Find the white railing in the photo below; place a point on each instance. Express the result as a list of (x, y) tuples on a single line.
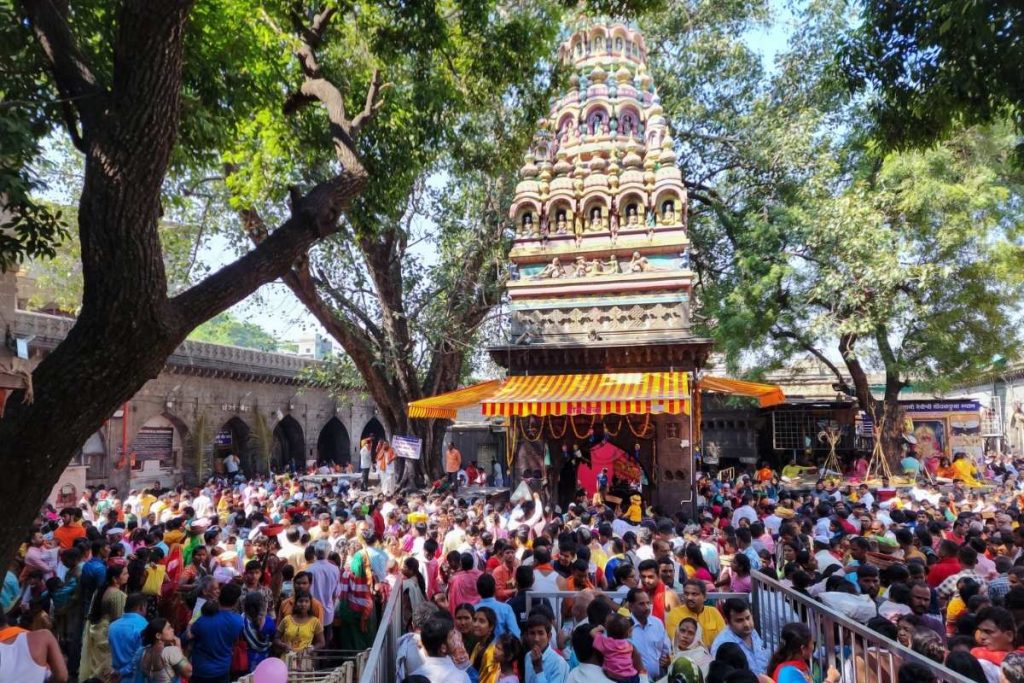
[(381, 664), (859, 653)]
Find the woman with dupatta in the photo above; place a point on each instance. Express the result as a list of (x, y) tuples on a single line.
[(355, 613), (107, 605), (690, 659)]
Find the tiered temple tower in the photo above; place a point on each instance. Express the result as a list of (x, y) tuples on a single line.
[(601, 254), (601, 279)]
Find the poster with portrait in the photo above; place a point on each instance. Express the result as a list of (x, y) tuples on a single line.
[(945, 427), (932, 437)]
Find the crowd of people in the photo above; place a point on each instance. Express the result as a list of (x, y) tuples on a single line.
[(203, 584)]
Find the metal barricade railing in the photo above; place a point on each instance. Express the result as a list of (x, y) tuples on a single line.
[(556, 598), (859, 653), (381, 664)]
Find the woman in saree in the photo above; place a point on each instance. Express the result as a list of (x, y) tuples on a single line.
[(483, 660), (107, 605), (355, 613)]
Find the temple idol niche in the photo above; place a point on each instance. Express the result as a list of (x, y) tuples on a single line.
[(527, 226), (668, 212), (561, 222), (597, 122), (627, 124), (632, 215)]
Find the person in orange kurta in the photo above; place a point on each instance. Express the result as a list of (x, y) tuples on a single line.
[(71, 528), (505, 574), (452, 465)]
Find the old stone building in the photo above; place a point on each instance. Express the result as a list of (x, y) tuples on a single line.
[(209, 401)]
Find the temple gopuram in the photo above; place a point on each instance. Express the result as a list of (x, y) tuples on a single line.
[(601, 360)]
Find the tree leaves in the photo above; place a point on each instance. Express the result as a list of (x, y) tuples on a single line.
[(932, 66)]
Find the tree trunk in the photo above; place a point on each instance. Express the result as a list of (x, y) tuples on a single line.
[(892, 423), (127, 326), (886, 414)]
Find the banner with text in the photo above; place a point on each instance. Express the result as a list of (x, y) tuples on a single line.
[(407, 447)]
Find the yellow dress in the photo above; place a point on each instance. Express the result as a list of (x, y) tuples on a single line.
[(298, 636), (489, 669), (96, 656), (965, 472), (634, 513), (223, 510)]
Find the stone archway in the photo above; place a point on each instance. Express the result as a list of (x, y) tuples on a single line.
[(233, 437), (373, 430), (333, 446), (93, 454), (289, 444)]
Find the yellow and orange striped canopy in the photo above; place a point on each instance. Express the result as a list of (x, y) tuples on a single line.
[(620, 393), (767, 395), (445, 406)]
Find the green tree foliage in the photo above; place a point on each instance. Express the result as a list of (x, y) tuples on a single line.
[(932, 66), (407, 285), (30, 227), (920, 253), (225, 328), (810, 240)]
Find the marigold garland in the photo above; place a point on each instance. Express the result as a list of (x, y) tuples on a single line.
[(572, 421), (551, 427), (540, 431), (609, 432), (643, 432)]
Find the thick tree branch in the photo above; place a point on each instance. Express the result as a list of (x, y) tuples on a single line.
[(316, 216), (385, 270), (885, 350), (363, 350), (71, 70), (862, 388), (71, 124)]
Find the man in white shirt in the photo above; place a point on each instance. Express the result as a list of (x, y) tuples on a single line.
[(202, 504), (456, 537), (772, 522), (865, 497), (644, 549), (365, 462), (744, 511), (438, 665)]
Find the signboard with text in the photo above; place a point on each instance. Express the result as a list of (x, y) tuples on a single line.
[(407, 447)]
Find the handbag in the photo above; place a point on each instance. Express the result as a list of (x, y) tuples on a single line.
[(240, 657)]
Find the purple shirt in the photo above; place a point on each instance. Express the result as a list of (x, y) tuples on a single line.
[(326, 583)]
